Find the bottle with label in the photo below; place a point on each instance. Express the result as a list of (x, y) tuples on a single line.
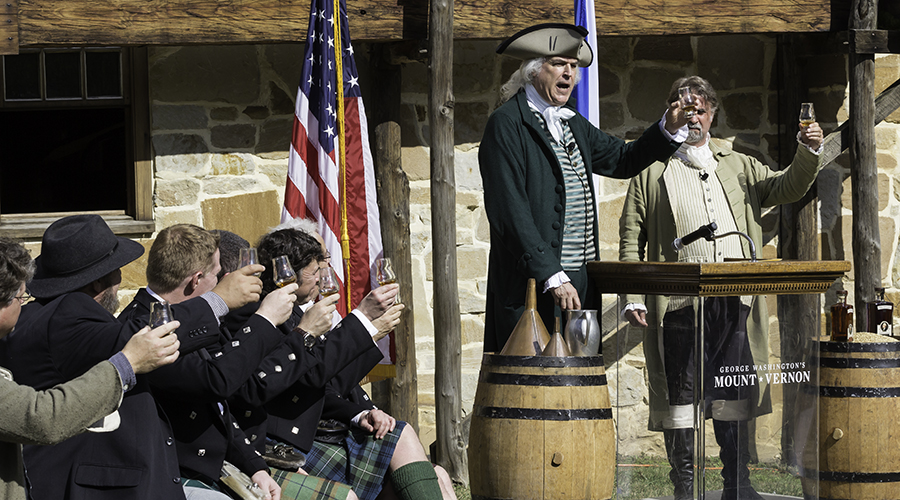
[(842, 319), (880, 315)]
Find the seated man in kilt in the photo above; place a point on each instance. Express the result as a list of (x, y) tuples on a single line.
[(334, 427)]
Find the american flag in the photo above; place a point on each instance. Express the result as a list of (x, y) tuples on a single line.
[(317, 186)]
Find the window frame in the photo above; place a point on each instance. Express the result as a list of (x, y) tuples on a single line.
[(137, 217)]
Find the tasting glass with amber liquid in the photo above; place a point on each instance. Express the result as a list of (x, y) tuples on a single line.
[(328, 282), (807, 114), (283, 273), (384, 274), (880, 315), (842, 319), (688, 103)]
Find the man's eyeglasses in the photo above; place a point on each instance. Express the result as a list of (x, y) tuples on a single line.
[(25, 297)]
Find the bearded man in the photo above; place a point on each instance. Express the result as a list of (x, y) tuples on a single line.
[(704, 183)]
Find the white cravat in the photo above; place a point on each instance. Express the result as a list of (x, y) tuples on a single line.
[(699, 156), (553, 115)]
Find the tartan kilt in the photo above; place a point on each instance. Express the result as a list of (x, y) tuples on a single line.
[(296, 486), (360, 461)]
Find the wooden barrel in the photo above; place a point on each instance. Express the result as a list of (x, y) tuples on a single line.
[(858, 436), (542, 428)]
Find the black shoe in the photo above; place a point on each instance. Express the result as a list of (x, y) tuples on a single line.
[(283, 456)]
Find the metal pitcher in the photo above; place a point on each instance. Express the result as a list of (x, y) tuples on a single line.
[(583, 332)]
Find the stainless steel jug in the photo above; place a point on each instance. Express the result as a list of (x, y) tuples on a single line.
[(583, 332)]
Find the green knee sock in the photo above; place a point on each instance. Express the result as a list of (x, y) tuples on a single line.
[(416, 481)]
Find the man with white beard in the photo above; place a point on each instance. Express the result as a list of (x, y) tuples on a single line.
[(700, 184)]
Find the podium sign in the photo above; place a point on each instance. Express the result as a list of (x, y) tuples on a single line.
[(728, 384)]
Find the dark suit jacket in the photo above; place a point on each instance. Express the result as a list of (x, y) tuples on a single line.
[(525, 200), (61, 340), (286, 396), (193, 390)]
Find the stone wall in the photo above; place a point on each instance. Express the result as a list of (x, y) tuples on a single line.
[(222, 119)]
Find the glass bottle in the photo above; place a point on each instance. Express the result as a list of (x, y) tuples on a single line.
[(842, 319), (880, 314)]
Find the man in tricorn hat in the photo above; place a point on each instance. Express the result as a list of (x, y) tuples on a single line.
[(536, 158), (69, 328)]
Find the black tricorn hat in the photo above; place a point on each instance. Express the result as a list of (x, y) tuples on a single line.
[(549, 39), (77, 250)]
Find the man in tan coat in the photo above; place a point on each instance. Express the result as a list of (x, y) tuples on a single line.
[(48, 417), (700, 184)]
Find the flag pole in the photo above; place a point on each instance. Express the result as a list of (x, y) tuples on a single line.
[(342, 160)]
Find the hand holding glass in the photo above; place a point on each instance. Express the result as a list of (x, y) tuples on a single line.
[(249, 257), (384, 273), (160, 314), (328, 283), (807, 114), (688, 103), (282, 272)]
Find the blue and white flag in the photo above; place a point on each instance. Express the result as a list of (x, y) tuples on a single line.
[(587, 92)]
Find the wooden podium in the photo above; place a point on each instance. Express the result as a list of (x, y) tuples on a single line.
[(717, 278), (774, 277)]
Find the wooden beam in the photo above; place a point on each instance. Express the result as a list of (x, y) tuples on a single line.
[(118, 22), (9, 27), (874, 42), (866, 236), (163, 22), (451, 443), (798, 238), (499, 19), (838, 141), (393, 206)]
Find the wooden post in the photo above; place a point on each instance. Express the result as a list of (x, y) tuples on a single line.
[(798, 315), (398, 395), (864, 169), (451, 453), (393, 205)]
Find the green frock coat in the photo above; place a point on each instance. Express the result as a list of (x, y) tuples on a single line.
[(647, 229), (525, 200)]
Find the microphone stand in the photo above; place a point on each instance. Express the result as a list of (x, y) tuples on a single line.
[(713, 236), (749, 241)]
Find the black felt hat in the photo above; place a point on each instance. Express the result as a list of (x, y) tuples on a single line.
[(77, 250), (549, 39)]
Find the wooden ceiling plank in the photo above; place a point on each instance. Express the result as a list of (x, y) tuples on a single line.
[(164, 22)]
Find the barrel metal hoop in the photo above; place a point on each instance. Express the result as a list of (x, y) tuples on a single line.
[(858, 392), (543, 361), (542, 414), (854, 477), (859, 346), (858, 362), (543, 380)]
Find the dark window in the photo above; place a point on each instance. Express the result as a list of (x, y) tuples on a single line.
[(68, 120)]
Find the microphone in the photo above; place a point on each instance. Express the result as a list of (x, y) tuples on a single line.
[(706, 232), (704, 175)]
